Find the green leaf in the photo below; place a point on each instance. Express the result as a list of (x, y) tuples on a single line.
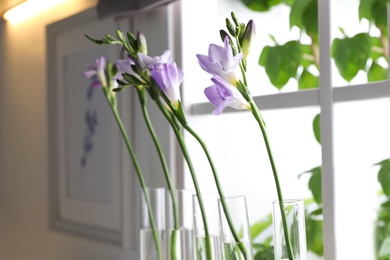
[(317, 212), (281, 62), (351, 54), (365, 8), (374, 10), (307, 56), (288, 2), (315, 184), (307, 80), (377, 50), (384, 176), (260, 5), (384, 251), (265, 253), (257, 228), (297, 10), (310, 18), (317, 127), (304, 15), (379, 13), (377, 73), (314, 239)]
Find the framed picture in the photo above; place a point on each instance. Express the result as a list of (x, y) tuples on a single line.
[(85, 145)]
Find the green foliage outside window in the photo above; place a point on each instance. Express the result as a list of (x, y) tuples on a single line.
[(363, 52)]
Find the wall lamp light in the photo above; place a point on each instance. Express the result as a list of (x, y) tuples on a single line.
[(16, 11)]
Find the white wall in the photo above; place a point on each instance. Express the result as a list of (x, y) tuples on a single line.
[(24, 213)]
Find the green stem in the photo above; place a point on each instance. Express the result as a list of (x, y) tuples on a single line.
[(142, 99), (256, 114), (187, 157), (140, 177), (219, 188)]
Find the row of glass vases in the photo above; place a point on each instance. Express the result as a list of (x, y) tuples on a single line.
[(181, 233)]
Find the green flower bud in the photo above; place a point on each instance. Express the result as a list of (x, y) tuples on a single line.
[(141, 41), (223, 34), (230, 28), (247, 38)]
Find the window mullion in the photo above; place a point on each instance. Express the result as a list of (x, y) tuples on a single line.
[(327, 137)]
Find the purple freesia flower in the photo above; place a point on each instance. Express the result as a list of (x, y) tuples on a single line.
[(155, 63), (221, 62), (223, 94), (97, 73), (169, 79), (124, 66)]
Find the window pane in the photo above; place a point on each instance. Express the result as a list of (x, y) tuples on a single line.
[(238, 150), (361, 140), (293, 53), (360, 44)]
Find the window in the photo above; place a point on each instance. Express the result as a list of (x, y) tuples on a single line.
[(354, 125)]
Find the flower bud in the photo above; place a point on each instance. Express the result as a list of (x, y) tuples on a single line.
[(141, 41), (247, 37), (230, 28), (223, 34)]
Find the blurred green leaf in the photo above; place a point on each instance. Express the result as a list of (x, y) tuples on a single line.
[(377, 73), (317, 212), (257, 228), (384, 251), (351, 54), (315, 184), (384, 214), (288, 2), (317, 127), (307, 56), (304, 15), (365, 8), (374, 10), (281, 62), (384, 176), (297, 10), (314, 231), (265, 254), (376, 48), (307, 80), (260, 5)]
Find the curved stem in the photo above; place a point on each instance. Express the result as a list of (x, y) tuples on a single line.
[(140, 178), (187, 157), (142, 99), (256, 114), (219, 188)]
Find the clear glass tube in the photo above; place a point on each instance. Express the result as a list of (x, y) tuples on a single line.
[(151, 240), (235, 228), (180, 245), (210, 204), (295, 216)]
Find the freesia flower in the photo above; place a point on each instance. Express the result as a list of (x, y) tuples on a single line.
[(124, 66), (169, 79), (97, 73), (223, 94), (155, 63), (221, 62)]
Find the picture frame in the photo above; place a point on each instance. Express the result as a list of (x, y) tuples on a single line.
[(85, 147)]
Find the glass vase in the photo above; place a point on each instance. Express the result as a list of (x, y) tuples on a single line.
[(180, 244), (212, 242), (235, 228), (295, 221), (152, 242)]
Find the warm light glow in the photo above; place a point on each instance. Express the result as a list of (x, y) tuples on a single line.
[(29, 9)]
